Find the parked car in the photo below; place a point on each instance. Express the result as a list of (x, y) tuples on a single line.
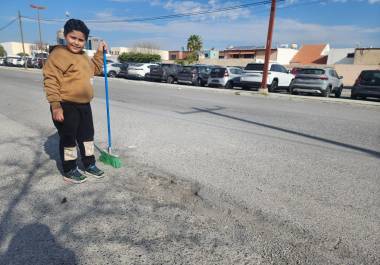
[(38, 62), (295, 70), (2, 60), (139, 70), (195, 74), (367, 85), (14, 61), (164, 72), (29, 62), (278, 76), (113, 69), (124, 70), (323, 81), (228, 77)]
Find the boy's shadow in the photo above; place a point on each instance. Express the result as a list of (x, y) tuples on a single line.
[(51, 147), (35, 244)]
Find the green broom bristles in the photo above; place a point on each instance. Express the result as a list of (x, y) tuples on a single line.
[(109, 159)]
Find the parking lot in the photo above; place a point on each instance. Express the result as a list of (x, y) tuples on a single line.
[(283, 93)]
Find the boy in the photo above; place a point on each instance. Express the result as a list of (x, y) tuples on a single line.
[(68, 75)]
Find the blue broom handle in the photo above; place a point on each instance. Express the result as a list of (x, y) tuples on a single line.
[(107, 100)]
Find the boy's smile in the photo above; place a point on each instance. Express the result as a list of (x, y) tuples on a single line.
[(75, 41)]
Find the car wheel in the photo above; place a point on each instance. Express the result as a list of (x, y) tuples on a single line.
[(170, 80), (326, 93), (245, 87), (292, 92), (229, 85), (354, 96), (111, 73), (338, 93), (273, 87)]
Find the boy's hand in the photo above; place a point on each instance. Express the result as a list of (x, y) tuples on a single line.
[(58, 115), (102, 45)]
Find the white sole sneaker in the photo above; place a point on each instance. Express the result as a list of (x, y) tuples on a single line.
[(94, 176)]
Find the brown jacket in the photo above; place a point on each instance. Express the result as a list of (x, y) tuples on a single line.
[(68, 76)]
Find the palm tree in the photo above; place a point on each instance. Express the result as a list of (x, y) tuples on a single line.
[(194, 43)]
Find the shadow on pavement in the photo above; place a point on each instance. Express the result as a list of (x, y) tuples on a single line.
[(212, 111), (35, 244), (51, 148)]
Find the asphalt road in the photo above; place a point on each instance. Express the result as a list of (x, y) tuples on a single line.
[(309, 167)]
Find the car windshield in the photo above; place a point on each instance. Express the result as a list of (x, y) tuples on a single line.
[(311, 71), (138, 64), (255, 67), (371, 77), (187, 69), (218, 70)]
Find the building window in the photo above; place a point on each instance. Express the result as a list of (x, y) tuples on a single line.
[(248, 56), (351, 55), (235, 56), (221, 56), (173, 56)]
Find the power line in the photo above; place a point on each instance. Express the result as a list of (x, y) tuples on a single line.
[(7, 25), (180, 15), (189, 14)]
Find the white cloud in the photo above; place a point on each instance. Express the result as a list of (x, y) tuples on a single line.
[(373, 1), (151, 2), (252, 31), (223, 30), (193, 6)]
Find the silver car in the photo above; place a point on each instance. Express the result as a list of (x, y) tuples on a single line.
[(228, 77), (323, 81), (113, 69)]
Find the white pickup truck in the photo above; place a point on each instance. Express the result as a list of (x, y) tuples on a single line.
[(278, 76)]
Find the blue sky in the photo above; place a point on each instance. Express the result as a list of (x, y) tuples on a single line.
[(342, 23)]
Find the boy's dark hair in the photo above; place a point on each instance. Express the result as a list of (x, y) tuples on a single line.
[(76, 24)]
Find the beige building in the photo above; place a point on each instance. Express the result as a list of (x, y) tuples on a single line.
[(13, 48), (116, 51), (367, 56)]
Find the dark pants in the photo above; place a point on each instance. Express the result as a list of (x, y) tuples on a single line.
[(76, 129)]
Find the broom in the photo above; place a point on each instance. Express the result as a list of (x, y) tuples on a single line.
[(106, 156)]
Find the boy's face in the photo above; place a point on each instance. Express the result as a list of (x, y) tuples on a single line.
[(75, 41)]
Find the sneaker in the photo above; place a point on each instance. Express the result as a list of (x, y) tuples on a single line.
[(94, 171), (74, 176)]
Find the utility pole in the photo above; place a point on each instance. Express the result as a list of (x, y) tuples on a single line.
[(22, 38), (264, 89), (39, 22)]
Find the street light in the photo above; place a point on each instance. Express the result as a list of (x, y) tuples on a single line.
[(39, 23)]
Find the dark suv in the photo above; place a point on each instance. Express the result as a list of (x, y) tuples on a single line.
[(164, 72), (367, 85), (124, 70), (195, 74)]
